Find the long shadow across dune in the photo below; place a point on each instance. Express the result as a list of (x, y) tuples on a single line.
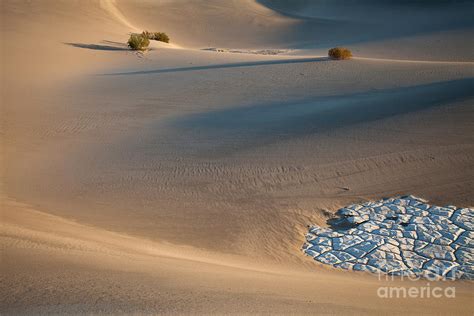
[(99, 46), (227, 131), (221, 66), (320, 24)]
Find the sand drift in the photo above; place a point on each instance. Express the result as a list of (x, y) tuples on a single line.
[(398, 236)]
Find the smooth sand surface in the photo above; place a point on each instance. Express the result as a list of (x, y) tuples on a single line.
[(182, 180)]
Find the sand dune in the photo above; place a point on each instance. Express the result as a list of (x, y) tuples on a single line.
[(183, 180), (81, 269), (372, 28)]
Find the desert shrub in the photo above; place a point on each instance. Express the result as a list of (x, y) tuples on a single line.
[(157, 36), (147, 34), (138, 42), (339, 53), (162, 37)]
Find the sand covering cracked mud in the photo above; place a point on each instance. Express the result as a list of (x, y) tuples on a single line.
[(399, 236)]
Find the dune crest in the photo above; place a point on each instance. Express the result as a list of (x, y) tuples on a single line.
[(110, 7)]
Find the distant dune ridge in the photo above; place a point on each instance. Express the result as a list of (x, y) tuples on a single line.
[(181, 180), (374, 28)]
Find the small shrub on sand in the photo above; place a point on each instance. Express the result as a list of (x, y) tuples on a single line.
[(339, 53), (138, 42), (157, 36)]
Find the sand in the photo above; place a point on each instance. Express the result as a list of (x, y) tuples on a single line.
[(182, 180)]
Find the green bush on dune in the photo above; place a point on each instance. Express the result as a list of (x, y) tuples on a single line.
[(157, 36), (339, 53), (138, 42)]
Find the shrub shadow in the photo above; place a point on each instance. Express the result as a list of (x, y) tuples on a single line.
[(106, 46), (222, 66)]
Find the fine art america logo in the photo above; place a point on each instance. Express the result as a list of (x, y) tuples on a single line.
[(430, 285)]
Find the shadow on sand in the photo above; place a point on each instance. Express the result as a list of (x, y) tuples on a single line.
[(222, 66), (246, 127), (104, 46)]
